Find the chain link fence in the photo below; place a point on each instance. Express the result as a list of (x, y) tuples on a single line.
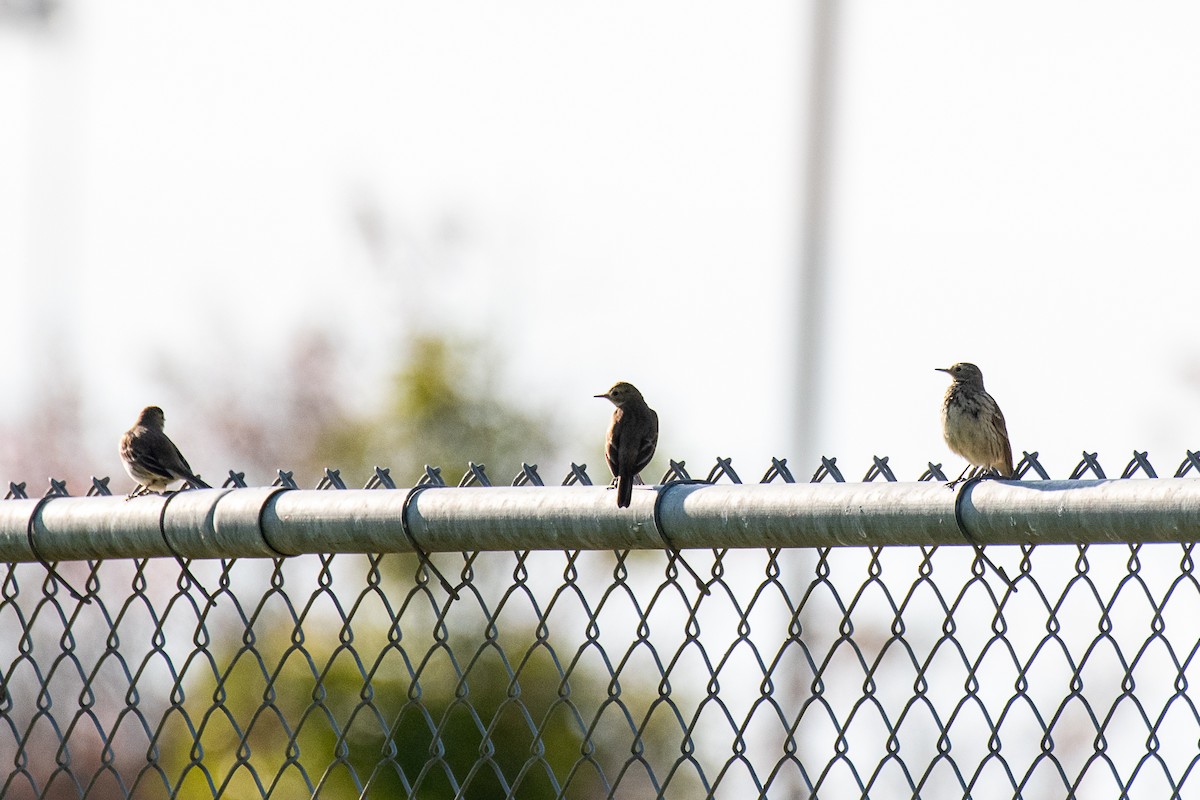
[(834, 672)]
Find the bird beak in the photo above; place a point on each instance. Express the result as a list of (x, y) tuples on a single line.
[(941, 369), (605, 396)]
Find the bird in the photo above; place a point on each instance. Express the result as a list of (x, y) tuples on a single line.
[(973, 424), (152, 459), (632, 437)]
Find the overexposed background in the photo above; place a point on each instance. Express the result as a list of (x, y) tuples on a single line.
[(614, 190)]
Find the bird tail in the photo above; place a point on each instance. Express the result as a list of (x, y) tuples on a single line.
[(197, 483), (624, 491)]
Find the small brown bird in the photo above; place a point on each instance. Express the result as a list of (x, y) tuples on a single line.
[(973, 425), (632, 437), (152, 459)]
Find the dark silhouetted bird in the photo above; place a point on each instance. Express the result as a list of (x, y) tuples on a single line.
[(632, 437), (152, 459)]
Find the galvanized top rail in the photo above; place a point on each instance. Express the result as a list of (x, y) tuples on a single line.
[(277, 521)]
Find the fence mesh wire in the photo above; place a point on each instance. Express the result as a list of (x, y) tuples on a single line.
[(839, 672)]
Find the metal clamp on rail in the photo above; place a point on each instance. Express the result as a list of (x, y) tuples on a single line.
[(29, 533), (672, 549), (218, 523), (179, 559), (423, 556), (959, 497)]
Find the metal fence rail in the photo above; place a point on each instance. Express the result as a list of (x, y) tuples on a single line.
[(300, 648)]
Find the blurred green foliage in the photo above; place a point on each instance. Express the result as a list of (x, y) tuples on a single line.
[(414, 709), (443, 410)]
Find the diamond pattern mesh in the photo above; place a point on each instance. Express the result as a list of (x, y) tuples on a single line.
[(843, 672)]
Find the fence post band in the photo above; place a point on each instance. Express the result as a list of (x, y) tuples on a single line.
[(661, 529), (959, 497), (220, 523), (29, 531), (422, 556), (262, 528), (179, 559)]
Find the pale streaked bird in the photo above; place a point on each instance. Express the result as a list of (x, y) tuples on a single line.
[(632, 437), (973, 425), (151, 458)]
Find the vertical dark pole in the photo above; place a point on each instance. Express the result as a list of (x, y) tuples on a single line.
[(814, 250), (811, 329)]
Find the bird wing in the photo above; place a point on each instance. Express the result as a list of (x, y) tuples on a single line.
[(632, 441), (612, 444), (158, 454), (1001, 430), (141, 452), (647, 442), (632, 438)]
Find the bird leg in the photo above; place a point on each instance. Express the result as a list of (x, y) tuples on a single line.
[(961, 475), (637, 481)]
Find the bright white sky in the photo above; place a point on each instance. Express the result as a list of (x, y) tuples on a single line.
[(612, 190)]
